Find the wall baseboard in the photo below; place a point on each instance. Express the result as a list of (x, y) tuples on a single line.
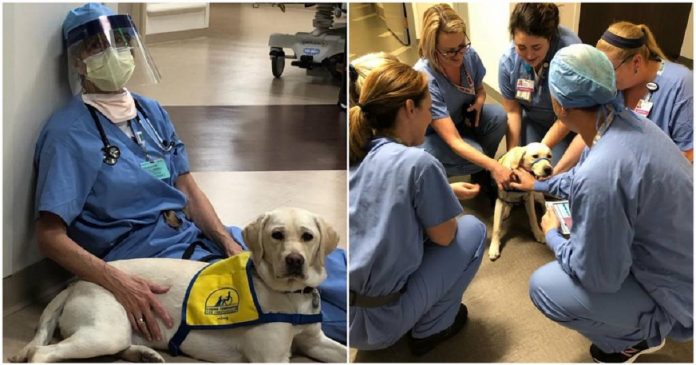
[(493, 94), (32, 285), (176, 36)]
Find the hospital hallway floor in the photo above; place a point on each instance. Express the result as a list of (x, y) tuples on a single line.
[(254, 142)]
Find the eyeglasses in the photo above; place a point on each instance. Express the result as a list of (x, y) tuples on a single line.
[(622, 62), (452, 53)]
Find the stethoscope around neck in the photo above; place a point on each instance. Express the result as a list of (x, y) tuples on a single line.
[(111, 152)]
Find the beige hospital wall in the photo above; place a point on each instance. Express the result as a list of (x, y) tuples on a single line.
[(687, 49), (34, 86)]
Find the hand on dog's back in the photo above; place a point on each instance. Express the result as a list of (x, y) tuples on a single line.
[(138, 298)]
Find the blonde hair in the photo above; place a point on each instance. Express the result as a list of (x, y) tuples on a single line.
[(650, 50), (438, 18), (385, 90), (362, 66)]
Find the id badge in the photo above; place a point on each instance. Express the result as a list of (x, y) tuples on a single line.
[(525, 88), (643, 108), (156, 168)]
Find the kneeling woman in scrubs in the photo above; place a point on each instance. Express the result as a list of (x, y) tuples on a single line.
[(649, 84), (523, 74), (411, 257), (464, 134), (624, 277)]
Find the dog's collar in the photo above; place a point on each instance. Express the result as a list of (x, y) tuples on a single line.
[(306, 290)]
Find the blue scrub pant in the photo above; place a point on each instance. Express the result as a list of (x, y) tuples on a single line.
[(433, 292), (612, 321), (533, 131), (486, 138)]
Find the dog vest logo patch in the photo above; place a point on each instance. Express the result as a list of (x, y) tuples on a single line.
[(219, 303), (221, 294)]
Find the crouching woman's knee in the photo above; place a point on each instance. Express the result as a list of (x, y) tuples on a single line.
[(470, 239), (550, 289)]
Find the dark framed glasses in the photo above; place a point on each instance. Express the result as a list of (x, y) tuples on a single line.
[(452, 53), (622, 62)]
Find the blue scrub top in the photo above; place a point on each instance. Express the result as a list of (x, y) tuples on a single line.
[(114, 212), (396, 192), (512, 67), (631, 202), (673, 104), (448, 100)]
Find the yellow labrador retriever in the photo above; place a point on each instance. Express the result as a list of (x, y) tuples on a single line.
[(288, 247), (536, 159)]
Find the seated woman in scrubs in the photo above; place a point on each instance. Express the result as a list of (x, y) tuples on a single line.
[(411, 257), (113, 178), (650, 85), (359, 69), (464, 134), (523, 73), (624, 277)]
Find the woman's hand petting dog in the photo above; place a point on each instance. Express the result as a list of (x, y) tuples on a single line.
[(502, 176), (464, 190), (549, 221), (137, 296), (523, 180)]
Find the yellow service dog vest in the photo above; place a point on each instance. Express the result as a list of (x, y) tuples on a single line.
[(222, 295)]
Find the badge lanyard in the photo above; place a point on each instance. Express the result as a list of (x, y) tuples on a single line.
[(644, 105), (138, 138), (155, 167), (471, 90), (526, 88)]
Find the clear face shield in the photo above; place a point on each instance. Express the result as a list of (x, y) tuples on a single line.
[(106, 54)]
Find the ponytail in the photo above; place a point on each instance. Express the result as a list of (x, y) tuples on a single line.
[(359, 136), (384, 92), (651, 43)]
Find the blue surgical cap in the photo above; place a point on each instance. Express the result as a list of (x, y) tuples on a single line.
[(581, 76), (84, 14)]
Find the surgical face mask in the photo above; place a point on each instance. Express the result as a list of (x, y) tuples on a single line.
[(111, 69)]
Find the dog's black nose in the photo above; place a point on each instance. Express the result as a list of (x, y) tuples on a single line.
[(294, 261), (548, 170)]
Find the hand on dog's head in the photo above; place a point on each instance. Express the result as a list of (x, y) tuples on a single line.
[(289, 247)]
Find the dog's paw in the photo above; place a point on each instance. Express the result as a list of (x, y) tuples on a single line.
[(151, 357), (139, 353), (17, 358), (493, 253), (23, 355)]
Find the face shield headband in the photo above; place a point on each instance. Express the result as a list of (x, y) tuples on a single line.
[(108, 43)]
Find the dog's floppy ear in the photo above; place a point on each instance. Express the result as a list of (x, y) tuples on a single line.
[(253, 236), (328, 240), (513, 158)]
